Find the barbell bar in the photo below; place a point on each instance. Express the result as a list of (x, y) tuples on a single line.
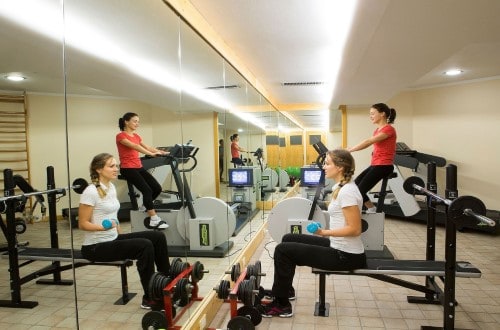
[(464, 205), (78, 186), (482, 218)]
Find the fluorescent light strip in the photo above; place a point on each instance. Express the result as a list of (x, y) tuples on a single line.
[(45, 17)]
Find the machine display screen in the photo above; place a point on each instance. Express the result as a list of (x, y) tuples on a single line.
[(240, 177), (310, 176)]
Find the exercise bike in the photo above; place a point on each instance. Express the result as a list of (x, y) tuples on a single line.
[(197, 227)]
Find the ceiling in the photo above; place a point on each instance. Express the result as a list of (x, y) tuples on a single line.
[(392, 46)]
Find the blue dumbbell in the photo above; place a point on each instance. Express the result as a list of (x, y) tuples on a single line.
[(107, 224), (313, 227)]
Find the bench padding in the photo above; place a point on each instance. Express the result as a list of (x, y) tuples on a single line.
[(407, 267), (62, 255)]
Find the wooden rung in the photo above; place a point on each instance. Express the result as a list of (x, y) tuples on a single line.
[(12, 99), (13, 160)]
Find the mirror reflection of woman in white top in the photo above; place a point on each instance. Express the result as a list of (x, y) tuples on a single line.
[(104, 240)]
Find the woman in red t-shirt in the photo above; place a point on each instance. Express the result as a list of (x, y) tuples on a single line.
[(236, 149), (384, 150), (129, 146)]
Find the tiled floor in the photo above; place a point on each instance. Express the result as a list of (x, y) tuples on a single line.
[(356, 302)]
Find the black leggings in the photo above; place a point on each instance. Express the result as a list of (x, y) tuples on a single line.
[(147, 247), (308, 250), (367, 179), (236, 161), (221, 167), (145, 182)]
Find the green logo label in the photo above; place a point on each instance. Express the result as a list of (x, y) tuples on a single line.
[(296, 229), (204, 237)]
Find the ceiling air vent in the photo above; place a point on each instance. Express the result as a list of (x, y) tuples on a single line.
[(223, 87), (303, 83)]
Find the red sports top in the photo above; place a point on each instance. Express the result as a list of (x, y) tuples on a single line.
[(129, 158), (235, 153), (384, 151)]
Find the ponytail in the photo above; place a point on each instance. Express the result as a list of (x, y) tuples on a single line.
[(390, 113)]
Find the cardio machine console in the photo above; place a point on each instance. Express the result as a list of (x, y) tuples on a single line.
[(403, 149)]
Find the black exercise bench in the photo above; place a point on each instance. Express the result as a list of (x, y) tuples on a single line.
[(56, 256), (383, 269)]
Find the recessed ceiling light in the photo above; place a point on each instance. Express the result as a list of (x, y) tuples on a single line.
[(453, 72), (15, 77)]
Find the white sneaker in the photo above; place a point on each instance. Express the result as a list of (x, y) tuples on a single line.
[(158, 224), (142, 209)]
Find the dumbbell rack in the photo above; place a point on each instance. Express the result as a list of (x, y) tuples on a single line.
[(245, 317), (171, 316)]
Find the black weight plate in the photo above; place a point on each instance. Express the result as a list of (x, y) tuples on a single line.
[(245, 292), (223, 289), (175, 266), (179, 288), (410, 181), (258, 269), (240, 323), (155, 320), (457, 207), (185, 265), (250, 312), (253, 282), (162, 283), (242, 289), (235, 272), (182, 291), (79, 185), (240, 292), (197, 272), (250, 271), (153, 284)]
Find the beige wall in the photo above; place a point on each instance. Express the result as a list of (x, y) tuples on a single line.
[(171, 128), (460, 123), (92, 126)]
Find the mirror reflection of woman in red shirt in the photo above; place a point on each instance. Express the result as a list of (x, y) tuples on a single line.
[(236, 149), (129, 146)]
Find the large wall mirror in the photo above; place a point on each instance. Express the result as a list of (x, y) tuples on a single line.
[(34, 147), (85, 70)]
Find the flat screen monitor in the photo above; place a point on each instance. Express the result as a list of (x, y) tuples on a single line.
[(240, 177), (310, 176)]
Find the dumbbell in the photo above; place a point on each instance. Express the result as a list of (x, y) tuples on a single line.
[(313, 227), (108, 224)]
